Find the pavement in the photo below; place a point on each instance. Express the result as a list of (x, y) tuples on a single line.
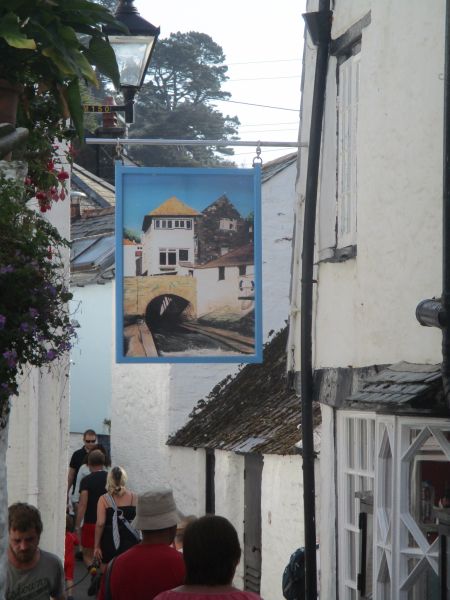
[(82, 581)]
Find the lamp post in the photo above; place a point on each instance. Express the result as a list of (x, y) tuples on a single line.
[(133, 53)]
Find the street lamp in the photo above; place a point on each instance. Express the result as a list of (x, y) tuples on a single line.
[(133, 52)]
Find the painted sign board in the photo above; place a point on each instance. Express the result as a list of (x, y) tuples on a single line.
[(188, 261)]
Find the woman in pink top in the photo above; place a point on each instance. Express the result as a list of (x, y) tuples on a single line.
[(211, 554)]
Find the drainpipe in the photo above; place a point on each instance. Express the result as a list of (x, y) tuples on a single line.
[(435, 312), (319, 28)]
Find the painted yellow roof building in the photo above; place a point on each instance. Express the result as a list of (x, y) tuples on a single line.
[(173, 207)]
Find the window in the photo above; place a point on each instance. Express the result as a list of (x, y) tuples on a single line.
[(183, 255), (169, 224), (348, 98), (228, 224), (356, 465), (221, 273), (167, 257), (242, 270), (157, 224), (189, 224)]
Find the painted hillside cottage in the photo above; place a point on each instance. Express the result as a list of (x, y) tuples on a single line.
[(378, 252)]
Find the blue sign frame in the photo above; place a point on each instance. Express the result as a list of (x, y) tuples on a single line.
[(188, 265)]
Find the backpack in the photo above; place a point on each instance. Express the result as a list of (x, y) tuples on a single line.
[(293, 580)]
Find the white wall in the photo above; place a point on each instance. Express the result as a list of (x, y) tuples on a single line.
[(214, 294), (281, 519), (278, 200), (154, 239), (368, 305), (229, 494), (37, 454), (90, 382), (187, 478)]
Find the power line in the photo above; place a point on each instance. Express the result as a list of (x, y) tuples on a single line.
[(264, 124), (270, 78), (260, 105), (272, 130), (255, 62)]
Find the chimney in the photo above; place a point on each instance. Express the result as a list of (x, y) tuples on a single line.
[(75, 204)]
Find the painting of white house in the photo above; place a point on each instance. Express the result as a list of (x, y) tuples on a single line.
[(188, 255)]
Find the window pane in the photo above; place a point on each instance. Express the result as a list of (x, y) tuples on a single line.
[(351, 499), (426, 587), (363, 444), (172, 258), (162, 258), (184, 254), (350, 443)]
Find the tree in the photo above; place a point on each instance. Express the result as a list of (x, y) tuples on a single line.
[(185, 76)]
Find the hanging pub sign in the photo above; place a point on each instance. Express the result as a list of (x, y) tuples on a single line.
[(188, 259)]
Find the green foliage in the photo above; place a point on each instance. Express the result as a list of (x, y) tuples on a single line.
[(184, 78), (130, 234), (35, 326), (54, 43)]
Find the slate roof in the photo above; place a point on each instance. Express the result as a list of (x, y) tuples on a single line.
[(99, 192), (401, 387), (252, 412), (92, 250), (92, 233), (273, 167)]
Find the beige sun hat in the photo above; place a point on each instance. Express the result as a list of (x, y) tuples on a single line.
[(156, 509)]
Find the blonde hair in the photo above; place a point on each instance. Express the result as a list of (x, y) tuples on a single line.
[(116, 480)]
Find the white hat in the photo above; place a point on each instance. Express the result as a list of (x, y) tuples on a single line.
[(156, 509)]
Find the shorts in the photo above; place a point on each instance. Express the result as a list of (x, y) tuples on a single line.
[(88, 535)]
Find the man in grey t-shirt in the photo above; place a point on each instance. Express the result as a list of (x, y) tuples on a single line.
[(32, 573)]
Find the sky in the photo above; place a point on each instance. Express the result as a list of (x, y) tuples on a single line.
[(263, 46), (146, 189)]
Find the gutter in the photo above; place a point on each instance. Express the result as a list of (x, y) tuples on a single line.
[(435, 312), (318, 25)]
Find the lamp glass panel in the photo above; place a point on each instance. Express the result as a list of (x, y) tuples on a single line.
[(132, 54)]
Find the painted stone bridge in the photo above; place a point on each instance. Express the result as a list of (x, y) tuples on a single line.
[(138, 292)]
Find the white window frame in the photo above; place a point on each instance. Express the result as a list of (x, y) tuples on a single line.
[(347, 184), (431, 436), (356, 473)]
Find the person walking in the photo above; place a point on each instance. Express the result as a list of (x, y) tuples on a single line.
[(211, 554), (77, 458), (153, 565), (91, 488), (30, 571), (116, 509)]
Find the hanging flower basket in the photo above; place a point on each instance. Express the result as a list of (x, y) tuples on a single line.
[(35, 325)]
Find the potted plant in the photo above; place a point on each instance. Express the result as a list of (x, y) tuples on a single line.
[(53, 45), (35, 325), (49, 48)]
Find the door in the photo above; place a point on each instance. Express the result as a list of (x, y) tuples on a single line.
[(252, 522)]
